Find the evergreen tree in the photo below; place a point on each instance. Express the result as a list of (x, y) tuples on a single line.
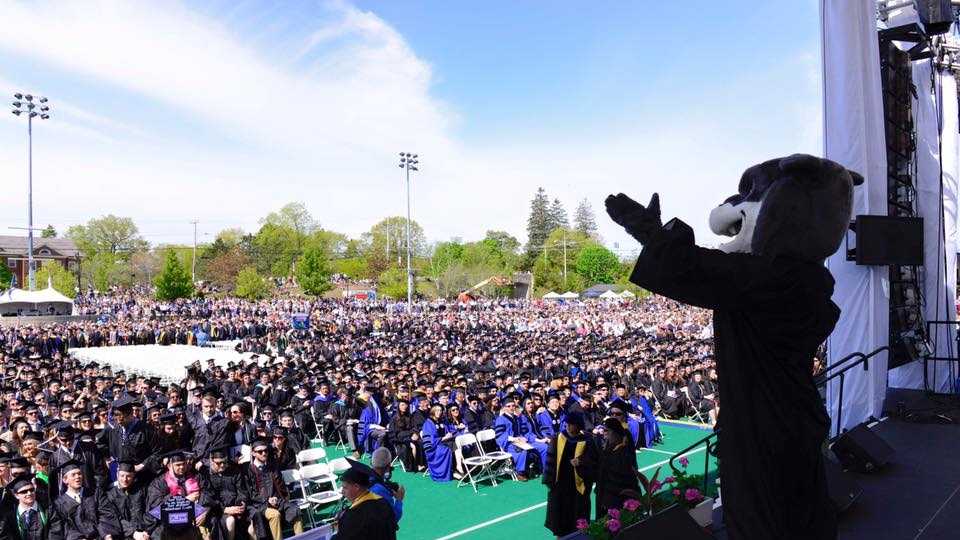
[(539, 223), (174, 279), (313, 273), (558, 216), (49, 232), (584, 220)]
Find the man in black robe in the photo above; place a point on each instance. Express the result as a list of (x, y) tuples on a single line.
[(369, 516), (131, 439), (126, 502), (269, 497), (617, 471), (77, 513), (569, 475), (224, 496), (29, 517), (770, 295)]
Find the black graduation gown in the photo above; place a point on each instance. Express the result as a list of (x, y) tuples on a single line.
[(565, 504), (617, 472), (370, 520), (13, 528), (218, 492), (770, 315), (86, 520), (261, 485), (127, 507), (399, 431)]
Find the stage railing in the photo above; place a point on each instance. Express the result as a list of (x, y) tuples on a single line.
[(839, 369), (711, 442), (955, 358)]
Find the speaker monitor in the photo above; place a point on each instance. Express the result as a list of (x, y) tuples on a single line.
[(674, 523), (862, 450), (841, 485), (936, 16), (889, 240)]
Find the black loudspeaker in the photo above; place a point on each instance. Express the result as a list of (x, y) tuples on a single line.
[(889, 240), (936, 16), (862, 450), (842, 486), (674, 523)]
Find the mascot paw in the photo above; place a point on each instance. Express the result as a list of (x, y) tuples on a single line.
[(639, 221)]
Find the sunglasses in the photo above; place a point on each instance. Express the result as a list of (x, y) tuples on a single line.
[(261, 451), (26, 491)]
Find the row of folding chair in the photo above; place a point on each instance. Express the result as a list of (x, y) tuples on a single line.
[(487, 464)]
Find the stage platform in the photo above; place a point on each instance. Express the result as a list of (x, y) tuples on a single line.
[(917, 496)]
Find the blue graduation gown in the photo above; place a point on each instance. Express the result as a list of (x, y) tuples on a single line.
[(371, 414), (651, 427), (506, 427), (546, 424), (439, 456), (531, 431)]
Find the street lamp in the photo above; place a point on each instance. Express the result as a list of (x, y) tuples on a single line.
[(24, 105), (409, 162)]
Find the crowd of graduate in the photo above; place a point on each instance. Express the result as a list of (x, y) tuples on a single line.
[(87, 452)]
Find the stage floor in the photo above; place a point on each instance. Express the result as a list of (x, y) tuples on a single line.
[(916, 497)]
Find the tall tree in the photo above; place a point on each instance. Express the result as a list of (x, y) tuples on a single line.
[(597, 264), (385, 244), (538, 222), (250, 285), (313, 272), (174, 280), (49, 232), (584, 220), (108, 234), (6, 277), (62, 280), (558, 216)]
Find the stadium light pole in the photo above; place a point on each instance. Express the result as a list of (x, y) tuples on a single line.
[(23, 104), (409, 162)]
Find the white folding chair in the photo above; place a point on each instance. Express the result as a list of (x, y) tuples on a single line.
[(478, 467), (322, 485), (321, 435), (693, 406), (309, 456), (503, 461), (291, 479), (339, 465)]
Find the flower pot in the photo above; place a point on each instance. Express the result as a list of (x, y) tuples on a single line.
[(703, 512)]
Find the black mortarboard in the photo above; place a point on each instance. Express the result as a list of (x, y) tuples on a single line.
[(259, 443), (622, 405), (575, 418), (127, 466), (358, 474), (176, 456), (20, 482), (35, 435), (615, 426), (169, 418), (222, 452), (125, 403), (19, 462), (71, 465)]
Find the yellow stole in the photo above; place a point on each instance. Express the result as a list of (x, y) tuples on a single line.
[(368, 496), (577, 452)]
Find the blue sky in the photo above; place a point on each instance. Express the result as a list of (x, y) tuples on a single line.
[(224, 111)]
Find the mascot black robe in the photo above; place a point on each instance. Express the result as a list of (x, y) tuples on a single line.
[(770, 315)]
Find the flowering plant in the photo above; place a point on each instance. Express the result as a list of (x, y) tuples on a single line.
[(634, 509), (685, 488)]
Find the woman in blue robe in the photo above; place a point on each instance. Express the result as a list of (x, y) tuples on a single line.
[(438, 454), (507, 429), (373, 423), (530, 428), (651, 428)]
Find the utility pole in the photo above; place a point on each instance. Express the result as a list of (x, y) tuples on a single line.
[(409, 162), (564, 258), (193, 262), (20, 107)]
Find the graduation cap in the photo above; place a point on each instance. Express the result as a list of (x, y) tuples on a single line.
[(259, 443), (177, 456), (43, 456), (622, 405), (125, 403), (280, 431), (20, 482), (84, 415), (221, 452), (358, 473), (19, 462), (169, 418), (285, 413), (72, 465), (33, 435)]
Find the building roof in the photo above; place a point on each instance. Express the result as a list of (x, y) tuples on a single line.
[(17, 245)]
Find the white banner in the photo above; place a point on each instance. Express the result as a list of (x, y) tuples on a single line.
[(853, 136)]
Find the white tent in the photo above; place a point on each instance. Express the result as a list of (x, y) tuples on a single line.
[(627, 294), (569, 295), (609, 295), (44, 302), (551, 296)]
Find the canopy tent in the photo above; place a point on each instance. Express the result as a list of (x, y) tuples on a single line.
[(44, 302), (596, 291), (610, 295), (627, 294), (551, 296), (167, 362), (569, 295)]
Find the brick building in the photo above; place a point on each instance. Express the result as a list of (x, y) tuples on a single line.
[(13, 255)]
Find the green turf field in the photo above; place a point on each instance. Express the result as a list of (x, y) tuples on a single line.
[(512, 509)]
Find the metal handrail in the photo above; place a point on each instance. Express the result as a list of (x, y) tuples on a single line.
[(710, 441), (826, 377)]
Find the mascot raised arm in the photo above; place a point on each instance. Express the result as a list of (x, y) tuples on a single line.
[(770, 295)]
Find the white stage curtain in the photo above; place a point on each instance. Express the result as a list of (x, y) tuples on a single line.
[(853, 135), (939, 270)]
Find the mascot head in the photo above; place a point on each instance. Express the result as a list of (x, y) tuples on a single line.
[(797, 206)]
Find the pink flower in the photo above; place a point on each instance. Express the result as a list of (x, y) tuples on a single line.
[(655, 486), (684, 461), (693, 495), (613, 513), (582, 524), (669, 480), (676, 493), (631, 504), (613, 525)]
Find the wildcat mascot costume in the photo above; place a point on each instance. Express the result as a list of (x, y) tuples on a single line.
[(770, 295)]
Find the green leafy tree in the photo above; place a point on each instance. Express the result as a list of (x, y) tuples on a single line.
[(548, 267), (275, 248), (584, 219), (313, 272), (63, 280), (105, 270), (538, 223), (385, 245), (354, 267), (251, 285), (597, 264), (174, 280), (223, 269), (393, 283), (49, 232), (108, 234), (6, 276)]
